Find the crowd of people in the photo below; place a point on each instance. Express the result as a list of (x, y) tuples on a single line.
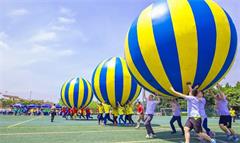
[(29, 111), (197, 117), (73, 113)]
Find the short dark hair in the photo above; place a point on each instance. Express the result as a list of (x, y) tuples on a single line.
[(194, 92)]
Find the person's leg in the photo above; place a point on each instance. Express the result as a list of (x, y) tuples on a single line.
[(138, 121), (187, 134), (99, 118), (147, 124), (105, 119), (131, 120), (172, 125), (51, 117), (197, 125), (126, 119), (121, 118), (179, 121), (205, 126), (109, 118), (225, 129)]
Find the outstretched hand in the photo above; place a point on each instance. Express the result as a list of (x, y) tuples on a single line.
[(172, 89)]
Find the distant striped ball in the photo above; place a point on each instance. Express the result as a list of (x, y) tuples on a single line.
[(112, 82), (76, 92), (173, 42)]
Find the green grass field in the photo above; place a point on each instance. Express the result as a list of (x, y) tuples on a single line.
[(29, 129)]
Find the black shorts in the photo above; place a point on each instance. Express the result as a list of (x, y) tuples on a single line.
[(195, 124), (226, 120)]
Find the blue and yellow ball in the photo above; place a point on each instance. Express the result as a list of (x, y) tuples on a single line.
[(173, 42), (113, 84), (77, 93)]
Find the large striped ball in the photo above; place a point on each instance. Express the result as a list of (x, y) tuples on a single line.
[(76, 92), (173, 42), (112, 82)]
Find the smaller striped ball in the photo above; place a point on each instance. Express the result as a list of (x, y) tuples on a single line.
[(77, 93), (113, 84)]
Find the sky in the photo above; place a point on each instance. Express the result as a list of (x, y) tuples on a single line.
[(43, 44)]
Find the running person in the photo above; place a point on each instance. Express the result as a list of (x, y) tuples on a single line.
[(121, 111), (203, 113), (140, 113), (194, 120), (115, 115), (202, 103), (176, 116), (225, 120), (129, 112), (100, 113), (53, 112), (150, 110), (107, 108)]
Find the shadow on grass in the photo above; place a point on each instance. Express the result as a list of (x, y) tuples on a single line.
[(178, 137)]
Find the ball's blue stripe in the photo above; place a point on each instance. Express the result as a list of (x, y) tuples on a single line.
[(138, 58), (133, 89), (206, 38), (167, 49), (231, 53), (103, 82), (118, 80), (66, 93), (86, 90), (76, 93)]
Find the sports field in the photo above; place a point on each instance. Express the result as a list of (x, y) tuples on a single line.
[(29, 129)]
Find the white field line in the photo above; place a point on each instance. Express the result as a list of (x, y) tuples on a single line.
[(69, 132), (14, 125)]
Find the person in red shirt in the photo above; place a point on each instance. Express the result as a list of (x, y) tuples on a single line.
[(71, 112), (140, 112), (88, 113), (63, 112), (81, 113)]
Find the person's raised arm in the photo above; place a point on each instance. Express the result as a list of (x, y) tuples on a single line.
[(177, 93), (221, 93), (144, 95), (189, 85), (158, 99)]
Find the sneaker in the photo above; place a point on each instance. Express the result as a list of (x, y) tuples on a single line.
[(229, 137), (137, 127), (173, 132), (235, 139), (213, 141), (212, 134), (149, 136)]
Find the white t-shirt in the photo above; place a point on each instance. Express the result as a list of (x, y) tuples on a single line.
[(222, 106), (202, 103), (193, 106)]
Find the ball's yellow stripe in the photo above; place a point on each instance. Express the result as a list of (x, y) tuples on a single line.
[(182, 20), (81, 92), (136, 93), (63, 93), (223, 40), (134, 70), (71, 92), (110, 78), (126, 82), (147, 43), (89, 94), (96, 82)]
